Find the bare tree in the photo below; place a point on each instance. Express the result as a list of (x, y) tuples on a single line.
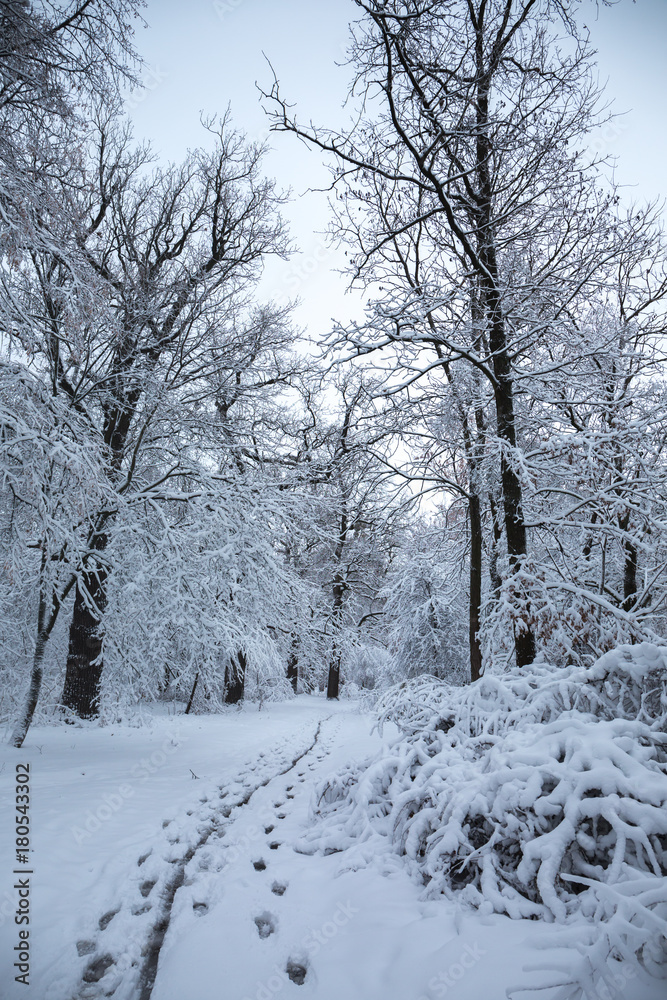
[(471, 207)]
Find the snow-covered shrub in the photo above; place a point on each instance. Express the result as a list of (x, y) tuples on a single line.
[(412, 704), (571, 797), (539, 793), (623, 943), (629, 682), (500, 819)]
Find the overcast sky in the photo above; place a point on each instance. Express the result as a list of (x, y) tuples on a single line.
[(202, 55)]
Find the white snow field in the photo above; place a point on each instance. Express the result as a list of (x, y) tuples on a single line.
[(150, 882)]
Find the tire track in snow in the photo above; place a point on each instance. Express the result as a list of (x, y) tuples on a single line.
[(137, 978)]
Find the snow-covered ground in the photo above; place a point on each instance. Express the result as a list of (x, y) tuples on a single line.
[(149, 881)]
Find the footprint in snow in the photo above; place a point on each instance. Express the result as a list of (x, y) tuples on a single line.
[(280, 815), (266, 924), (278, 889), (146, 887), (96, 969), (106, 919), (200, 908), (268, 829), (274, 845), (259, 865), (297, 972), (142, 859)]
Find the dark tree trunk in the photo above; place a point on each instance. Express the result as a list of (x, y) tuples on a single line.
[(475, 604), (515, 527), (333, 681), (81, 690), (235, 679), (293, 671), (192, 695), (629, 575)]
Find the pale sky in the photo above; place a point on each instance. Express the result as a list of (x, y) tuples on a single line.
[(202, 55)]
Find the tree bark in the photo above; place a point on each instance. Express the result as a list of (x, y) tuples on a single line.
[(45, 627), (629, 575), (293, 671), (515, 527), (235, 679), (339, 588), (192, 695), (494, 574), (475, 602), (21, 729), (81, 690), (333, 681)]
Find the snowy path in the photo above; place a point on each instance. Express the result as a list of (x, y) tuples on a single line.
[(197, 890)]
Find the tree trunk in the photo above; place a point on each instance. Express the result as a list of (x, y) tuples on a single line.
[(333, 682), (235, 679), (293, 671), (81, 691), (629, 575), (475, 604), (515, 527), (23, 724), (45, 627), (494, 574), (192, 695)]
